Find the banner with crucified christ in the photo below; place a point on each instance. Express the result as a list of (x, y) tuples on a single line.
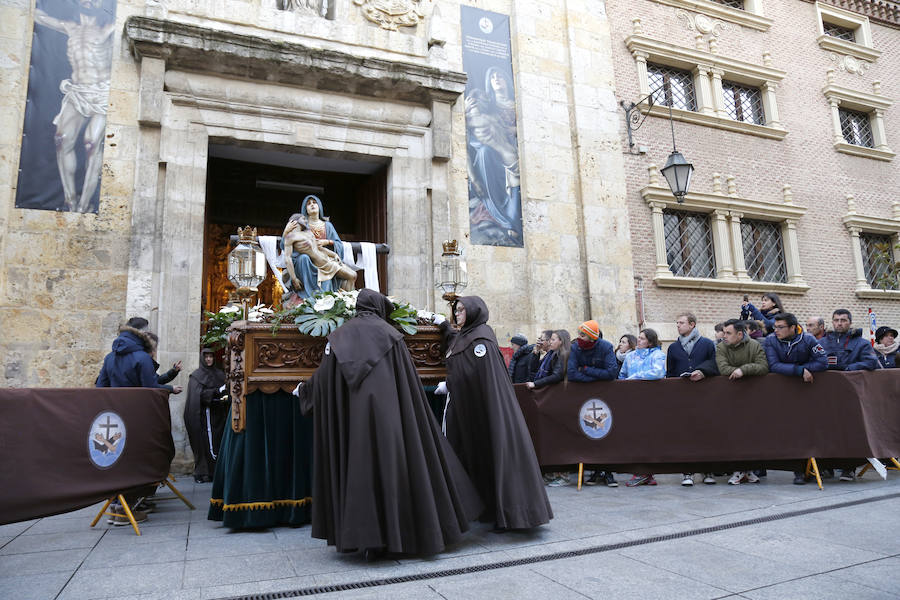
[(66, 107)]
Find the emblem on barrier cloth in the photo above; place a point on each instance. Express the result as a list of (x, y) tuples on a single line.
[(106, 439), (595, 419)]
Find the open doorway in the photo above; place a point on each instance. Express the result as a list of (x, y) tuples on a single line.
[(263, 187)]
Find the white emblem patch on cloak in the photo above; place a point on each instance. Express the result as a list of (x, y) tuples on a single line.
[(327, 348), (480, 350)]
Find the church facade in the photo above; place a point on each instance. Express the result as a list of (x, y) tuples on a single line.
[(786, 108)]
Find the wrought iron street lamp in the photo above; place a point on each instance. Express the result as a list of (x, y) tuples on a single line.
[(452, 273), (677, 171), (246, 265)]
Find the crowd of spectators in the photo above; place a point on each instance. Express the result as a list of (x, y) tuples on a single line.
[(763, 339)]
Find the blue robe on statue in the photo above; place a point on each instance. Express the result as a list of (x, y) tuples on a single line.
[(306, 272)]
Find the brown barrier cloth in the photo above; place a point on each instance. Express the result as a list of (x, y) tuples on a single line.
[(676, 425), (46, 437)]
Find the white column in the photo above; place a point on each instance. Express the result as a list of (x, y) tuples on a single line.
[(722, 246), (737, 246), (878, 135), (836, 120), (703, 90), (791, 252), (640, 59), (769, 105), (856, 248), (717, 94), (659, 239)]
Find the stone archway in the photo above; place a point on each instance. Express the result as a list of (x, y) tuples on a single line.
[(198, 85)]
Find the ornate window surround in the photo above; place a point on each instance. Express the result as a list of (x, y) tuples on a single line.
[(726, 211), (709, 69), (874, 104), (862, 48), (752, 16), (856, 224)]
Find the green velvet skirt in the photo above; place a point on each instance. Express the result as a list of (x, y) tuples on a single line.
[(263, 475)]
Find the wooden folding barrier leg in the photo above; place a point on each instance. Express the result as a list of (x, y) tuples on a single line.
[(580, 475), (812, 467), (175, 489), (895, 467), (127, 513)]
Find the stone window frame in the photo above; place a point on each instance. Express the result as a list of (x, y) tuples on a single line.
[(861, 49), (873, 104), (709, 70), (858, 223), (752, 16), (725, 210)]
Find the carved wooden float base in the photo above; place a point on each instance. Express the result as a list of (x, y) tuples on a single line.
[(260, 360)]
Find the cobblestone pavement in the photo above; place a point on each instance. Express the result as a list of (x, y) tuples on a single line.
[(761, 541)]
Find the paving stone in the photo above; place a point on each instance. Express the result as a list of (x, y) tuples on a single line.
[(222, 570), (819, 587), (136, 554), (33, 587), (51, 541), (49, 561), (132, 579), (719, 567), (608, 575)]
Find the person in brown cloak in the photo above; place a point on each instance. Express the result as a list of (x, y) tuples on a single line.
[(485, 425), (205, 415), (384, 477)]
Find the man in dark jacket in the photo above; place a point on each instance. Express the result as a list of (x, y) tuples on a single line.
[(693, 356), (593, 359), (794, 353), (520, 363), (845, 347), (130, 365), (691, 353), (847, 350)]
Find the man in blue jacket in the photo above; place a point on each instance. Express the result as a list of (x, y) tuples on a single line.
[(845, 347), (593, 359), (692, 355), (847, 350), (794, 353), (131, 365)]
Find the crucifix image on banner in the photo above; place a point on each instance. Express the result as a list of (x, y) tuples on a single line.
[(66, 106), (495, 203)]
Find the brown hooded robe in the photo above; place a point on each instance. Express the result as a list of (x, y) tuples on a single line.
[(205, 415), (486, 428), (383, 475)]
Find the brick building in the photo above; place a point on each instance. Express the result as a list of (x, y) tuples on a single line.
[(785, 110)]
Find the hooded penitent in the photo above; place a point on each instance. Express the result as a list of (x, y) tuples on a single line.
[(384, 476), (204, 415), (486, 428)]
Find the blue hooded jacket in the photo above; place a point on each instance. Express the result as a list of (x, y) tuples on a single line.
[(594, 364), (791, 356), (129, 364), (852, 351)]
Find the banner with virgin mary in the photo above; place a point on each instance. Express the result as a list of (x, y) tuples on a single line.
[(495, 203)]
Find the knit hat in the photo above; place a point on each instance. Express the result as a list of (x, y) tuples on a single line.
[(519, 340), (883, 331), (591, 329)]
